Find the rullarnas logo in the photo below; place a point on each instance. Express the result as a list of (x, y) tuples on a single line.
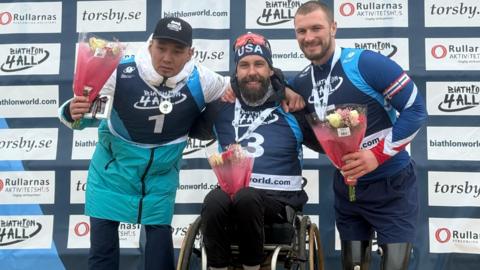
[(347, 9), (370, 8), (24, 58), (13, 231), (5, 18), (277, 12), (439, 51), (26, 18), (444, 235)]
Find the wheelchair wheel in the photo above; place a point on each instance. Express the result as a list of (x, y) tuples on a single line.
[(303, 241), (192, 250), (315, 250)]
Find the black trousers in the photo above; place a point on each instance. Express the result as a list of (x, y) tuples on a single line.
[(240, 219), (105, 247)]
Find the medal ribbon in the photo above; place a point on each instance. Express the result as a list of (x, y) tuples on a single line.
[(321, 106), (254, 125), (170, 93)]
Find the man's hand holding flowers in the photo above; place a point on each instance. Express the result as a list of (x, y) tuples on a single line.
[(79, 106), (358, 164)]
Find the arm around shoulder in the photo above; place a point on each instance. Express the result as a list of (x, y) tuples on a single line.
[(309, 138), (213, 84)]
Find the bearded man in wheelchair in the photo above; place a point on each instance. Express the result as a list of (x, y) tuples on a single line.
[(257, 121)]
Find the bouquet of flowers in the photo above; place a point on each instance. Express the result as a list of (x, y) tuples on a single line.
[(340, 133), (232, 167), (97, 58)]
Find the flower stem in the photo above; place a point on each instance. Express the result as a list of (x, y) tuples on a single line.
[(351, 193)]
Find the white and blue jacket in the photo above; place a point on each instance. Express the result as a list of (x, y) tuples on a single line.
[(134, 172), (395, 109)]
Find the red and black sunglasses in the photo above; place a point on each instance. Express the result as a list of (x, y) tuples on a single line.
[(251, 38)]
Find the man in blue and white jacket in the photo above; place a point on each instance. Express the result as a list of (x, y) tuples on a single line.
[(386, 190), (134, 172)]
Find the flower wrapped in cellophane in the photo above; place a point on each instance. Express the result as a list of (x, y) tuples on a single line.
[(233, 168), (341, 133), (97, 58)]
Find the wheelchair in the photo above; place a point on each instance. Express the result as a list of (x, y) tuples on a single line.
[(295, 244)]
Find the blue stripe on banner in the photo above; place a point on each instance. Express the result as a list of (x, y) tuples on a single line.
[(19, 259)]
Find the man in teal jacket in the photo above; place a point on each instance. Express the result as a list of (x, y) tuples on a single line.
[(134, 172)]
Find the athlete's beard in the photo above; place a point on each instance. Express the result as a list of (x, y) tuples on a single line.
[(254, 97), (316, 57)]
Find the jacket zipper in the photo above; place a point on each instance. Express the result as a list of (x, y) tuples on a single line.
[(142, 180)]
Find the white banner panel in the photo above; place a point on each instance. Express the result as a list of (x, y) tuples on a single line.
[(454, 235), (78, 185), (27, 187), (214, 54), (452, 53), (194, 185), (79, 233), (28, 143), (454, 189), (453, 143), (30, 17), (211, 14), (26, 232), (133, 47), (28, 101), (84, 142), (276, 14), (29, 59), (453, 98), (309, 153), (312, 187), (195, 148), (448, 13), (371, 13), (394, 48), (111, 16), (180, 225), (287, 55)]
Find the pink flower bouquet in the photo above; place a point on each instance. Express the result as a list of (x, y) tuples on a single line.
[(97, 58), (341, 133), (232, 167)]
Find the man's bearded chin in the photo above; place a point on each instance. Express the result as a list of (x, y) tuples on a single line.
[(318, 56), (254, 97)]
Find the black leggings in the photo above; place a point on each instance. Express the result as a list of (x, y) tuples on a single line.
[(243, 217)]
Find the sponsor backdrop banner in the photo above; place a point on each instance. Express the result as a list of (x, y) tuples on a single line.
[(43, 164)]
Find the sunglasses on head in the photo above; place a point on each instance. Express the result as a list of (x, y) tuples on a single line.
[(251, 38)]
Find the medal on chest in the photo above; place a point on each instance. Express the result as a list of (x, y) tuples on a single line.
[(165, 106)]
